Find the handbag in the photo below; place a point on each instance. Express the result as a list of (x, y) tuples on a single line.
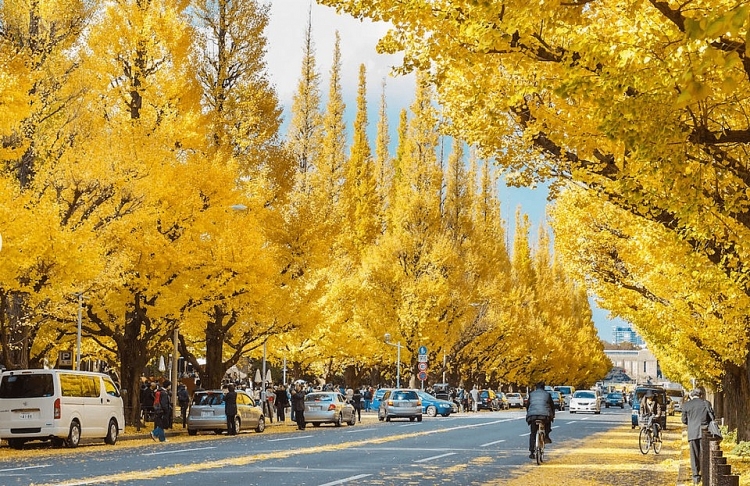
[(713, 427)]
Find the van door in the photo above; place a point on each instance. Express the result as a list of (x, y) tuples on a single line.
[(112, 401)]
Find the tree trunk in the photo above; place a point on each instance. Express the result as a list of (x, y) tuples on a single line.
[(736, 389), (214, 370), (133, 349)]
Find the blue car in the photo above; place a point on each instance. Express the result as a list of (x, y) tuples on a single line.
[(432, 406), (376, 397)]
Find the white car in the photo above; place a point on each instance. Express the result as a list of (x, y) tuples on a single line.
[(585, 401), (514, 400)]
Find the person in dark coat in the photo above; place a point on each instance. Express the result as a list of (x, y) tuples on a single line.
[(541, 407), (162, 409), (298, 404), (230, 409), (696, 413), (281, 402), (357, 403), (183, 397)]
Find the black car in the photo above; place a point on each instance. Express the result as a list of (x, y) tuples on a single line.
[(614, 399)]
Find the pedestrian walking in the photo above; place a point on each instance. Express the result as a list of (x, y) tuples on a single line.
[(696, 414), (474, 399), (281, 402), (230, 409), (367, 397), (162, 409), (298, 405), (357, 403), (183, 398)]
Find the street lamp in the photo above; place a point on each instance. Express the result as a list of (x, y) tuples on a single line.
[(398, 358)]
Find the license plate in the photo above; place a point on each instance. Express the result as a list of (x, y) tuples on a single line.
[(26, 416), (314, 408), (207, 414)]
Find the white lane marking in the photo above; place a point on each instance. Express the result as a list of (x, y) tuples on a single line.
[(176, 451), (354, 431), (492, 443), (24, 468), (346, 480), (290, 438), (436, 457)]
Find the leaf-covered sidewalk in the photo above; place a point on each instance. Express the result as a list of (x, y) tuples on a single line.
[(607, 458)]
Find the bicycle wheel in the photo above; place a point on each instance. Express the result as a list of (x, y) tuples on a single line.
[(657, 444), (540, 447), (644, 440)]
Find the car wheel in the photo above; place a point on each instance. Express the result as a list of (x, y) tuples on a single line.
[(353, 420), (112, 431), (261, 424), (192, 431), (431, 411), (339, 420), (419, 418), (237, 425), (316, 424), (74, 436), (387, 418), (411, 419)]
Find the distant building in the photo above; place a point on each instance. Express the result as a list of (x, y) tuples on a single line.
[(626, 334), (640, 365)]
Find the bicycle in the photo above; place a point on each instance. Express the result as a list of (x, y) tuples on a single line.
[(646, 438), (539, 449)]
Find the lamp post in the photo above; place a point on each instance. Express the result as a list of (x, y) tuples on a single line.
[(398, 358), (78, 332)]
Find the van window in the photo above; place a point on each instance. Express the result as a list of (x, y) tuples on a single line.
[(27, 386), (110, 388), (79, 386)]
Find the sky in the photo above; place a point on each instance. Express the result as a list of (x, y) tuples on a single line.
[(285, 35)]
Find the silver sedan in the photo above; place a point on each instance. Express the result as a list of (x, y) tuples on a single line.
[(328, 407), (207, 413)]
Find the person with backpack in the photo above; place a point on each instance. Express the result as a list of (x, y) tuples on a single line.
[(183, 398), (162, 409)]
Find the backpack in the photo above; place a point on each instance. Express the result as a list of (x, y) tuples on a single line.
[(157, 401), (183, 395)]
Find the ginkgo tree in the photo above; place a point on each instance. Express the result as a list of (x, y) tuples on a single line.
[(641, 102)]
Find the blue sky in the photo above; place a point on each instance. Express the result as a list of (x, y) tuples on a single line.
[(285, 38)]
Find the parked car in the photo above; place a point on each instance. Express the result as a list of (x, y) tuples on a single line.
[(328, 408), (557, 398), (432, 406), (514, 400), (567, 392), (614, 399), (442, 391), (585, 401), (661, 397), (488, 400), (677, 396), (502, 401), (207, 413), (376, 397), (400, 403)]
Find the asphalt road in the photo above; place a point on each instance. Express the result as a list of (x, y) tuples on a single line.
[(469, 448)]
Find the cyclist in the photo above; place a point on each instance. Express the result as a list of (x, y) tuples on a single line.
[(541, 407), (651, 407)]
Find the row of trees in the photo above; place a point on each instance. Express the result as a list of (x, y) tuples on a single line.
[(642, 107), (142, 166)]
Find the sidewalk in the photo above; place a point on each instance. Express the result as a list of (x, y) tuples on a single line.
[(610, 458)]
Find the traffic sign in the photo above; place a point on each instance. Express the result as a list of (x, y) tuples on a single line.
[(422, 350), (422, 366), (422, 375), (422, 358)]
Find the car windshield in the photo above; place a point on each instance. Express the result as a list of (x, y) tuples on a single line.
[(614, 395), (513, 395), (403, 395), (319, 397), (584, 394)]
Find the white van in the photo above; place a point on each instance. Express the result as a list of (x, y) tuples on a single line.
[(62, 406)]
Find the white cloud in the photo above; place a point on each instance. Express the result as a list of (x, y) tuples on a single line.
[(286, 33)]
